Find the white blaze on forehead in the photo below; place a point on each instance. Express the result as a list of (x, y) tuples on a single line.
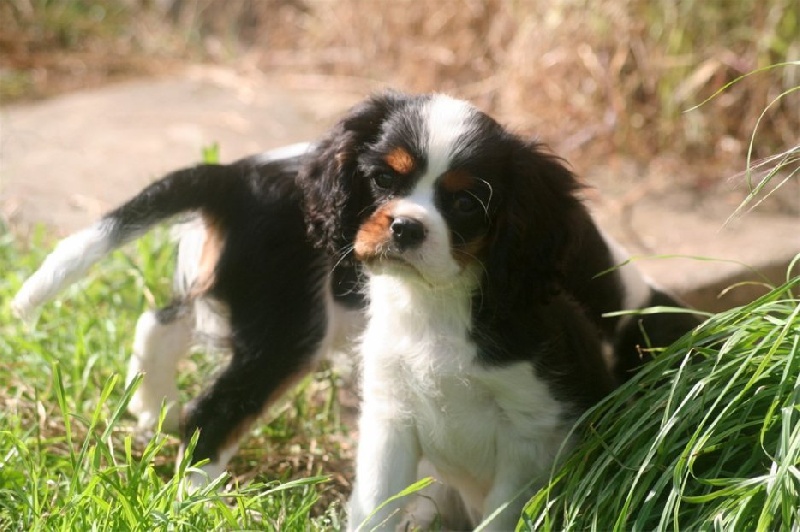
[(447, 129), (447, 122)]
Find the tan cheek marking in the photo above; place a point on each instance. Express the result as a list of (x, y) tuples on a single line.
[(209, 256), (400, 161), (471, 251), (456, 180), (373, 233)]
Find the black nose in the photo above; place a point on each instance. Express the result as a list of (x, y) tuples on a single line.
[(407, 232)]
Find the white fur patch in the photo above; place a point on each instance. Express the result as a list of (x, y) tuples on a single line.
[(191, 236), (68, 262), (490, 432), (211, 321), (284, 152), (448, 128), (636, 286), (433, 258), (157, 349), (208, 473)]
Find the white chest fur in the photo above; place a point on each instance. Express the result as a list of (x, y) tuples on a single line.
[(488, 430)]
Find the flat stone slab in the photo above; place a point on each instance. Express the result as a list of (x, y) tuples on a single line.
[(697, 256), (65, 161)]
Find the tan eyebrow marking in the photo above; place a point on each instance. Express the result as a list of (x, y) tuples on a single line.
[(470, 251), (456, 180), (400, 161)]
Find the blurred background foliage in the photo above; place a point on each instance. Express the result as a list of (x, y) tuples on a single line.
[(593, 77)]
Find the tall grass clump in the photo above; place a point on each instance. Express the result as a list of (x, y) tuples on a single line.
[(767, 176), (52, 46), (705, 437)]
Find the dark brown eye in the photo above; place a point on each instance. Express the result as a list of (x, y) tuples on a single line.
[(465, 203), (383, 180)]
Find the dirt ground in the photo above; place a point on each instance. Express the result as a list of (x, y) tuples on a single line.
[(66, 160)]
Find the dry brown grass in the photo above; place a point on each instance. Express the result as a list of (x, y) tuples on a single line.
[(609, 75), (593, 78), (52, 46)]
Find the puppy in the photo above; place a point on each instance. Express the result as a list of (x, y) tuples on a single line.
[(266, 269), (476, 355), (248, 278)]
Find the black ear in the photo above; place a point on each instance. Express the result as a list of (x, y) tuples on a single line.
[(536, 227), (337, 196)]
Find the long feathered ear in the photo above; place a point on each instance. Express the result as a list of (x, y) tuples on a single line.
[(337, 197), (536, 227)]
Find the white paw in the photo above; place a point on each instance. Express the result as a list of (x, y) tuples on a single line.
[(147, 415)]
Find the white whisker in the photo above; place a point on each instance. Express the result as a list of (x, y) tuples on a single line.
[(479, 200), (343, 255)]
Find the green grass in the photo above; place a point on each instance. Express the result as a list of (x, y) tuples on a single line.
[(705, 438), (709, 440), (69, 456)]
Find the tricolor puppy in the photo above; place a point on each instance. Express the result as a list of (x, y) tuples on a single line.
[(476, 356), (266, 266), (248, 279)]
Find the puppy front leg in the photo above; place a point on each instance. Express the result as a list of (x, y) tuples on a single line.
[(386, 463), (512, 494), (520, 471)]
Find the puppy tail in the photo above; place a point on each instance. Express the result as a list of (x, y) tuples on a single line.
[(197, 188)]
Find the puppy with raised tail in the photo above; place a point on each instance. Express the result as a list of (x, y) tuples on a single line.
[(486, 223), (474, 358)]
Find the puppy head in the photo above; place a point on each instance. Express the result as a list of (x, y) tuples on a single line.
[(431, 187), (432, 205)]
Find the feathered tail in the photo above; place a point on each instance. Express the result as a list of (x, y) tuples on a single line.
[(196, 188)]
